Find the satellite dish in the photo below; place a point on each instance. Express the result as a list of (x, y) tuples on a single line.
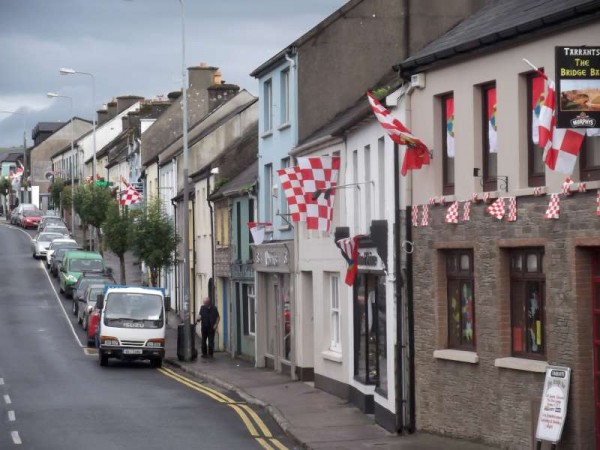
[(49, 175)]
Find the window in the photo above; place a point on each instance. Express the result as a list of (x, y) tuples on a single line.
[(448, 151), (368, 187), (369, 328), (535, 165), (238, 229), (251, 309), (355, 193), (589, 159), (250, 218), (461, 299), (527, 303), (268, 106), (381, 177), (268, 192), (334, 286), (285, 97), (283, 204), (490, 146)]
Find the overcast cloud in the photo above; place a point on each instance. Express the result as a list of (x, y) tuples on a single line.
[(132, 47)]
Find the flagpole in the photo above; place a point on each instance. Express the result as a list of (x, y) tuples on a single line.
[(530, 64)]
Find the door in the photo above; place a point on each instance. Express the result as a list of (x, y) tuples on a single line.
[(238, 318), (596, 342)]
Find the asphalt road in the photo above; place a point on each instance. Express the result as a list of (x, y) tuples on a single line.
[(53, 395)]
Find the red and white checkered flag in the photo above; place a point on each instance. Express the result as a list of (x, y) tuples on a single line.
[(415, 216), (432, 200), (452, 213), (130, 196), (258, 230), (474, 197), (553, 210), (581, 187), (598, 203), (425, 215), (466, 211), (486, 197), (291, 183), (497, 209), (566, 186), (538, 191), (512, 209), (319, 174)]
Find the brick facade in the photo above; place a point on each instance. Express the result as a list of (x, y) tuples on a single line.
[(481, 401)]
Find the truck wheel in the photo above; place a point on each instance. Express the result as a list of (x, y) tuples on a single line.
[(74, 307), (156, 363), (102, 358)]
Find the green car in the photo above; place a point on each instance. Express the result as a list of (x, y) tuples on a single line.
[(74, 264)]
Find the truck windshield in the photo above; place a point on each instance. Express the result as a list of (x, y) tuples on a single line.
[(133, 306)]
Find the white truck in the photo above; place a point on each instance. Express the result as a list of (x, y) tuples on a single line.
[(131, 324)]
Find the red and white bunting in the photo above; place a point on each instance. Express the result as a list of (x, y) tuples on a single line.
[(432, 200), (581, 187), (258, 230), (486, 197), (425, 215), (598, 203), (466, 211), (475, 197), (452, 213), (497, 209), (415, 215), (553, 210), (538, 191), (566, 186), (512, 209), (319, 174), (291, 183)]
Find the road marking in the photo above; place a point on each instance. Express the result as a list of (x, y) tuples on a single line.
[(248, 416), (62, 307), (90, 351), (11, 416), (7, 399), (16, 438)]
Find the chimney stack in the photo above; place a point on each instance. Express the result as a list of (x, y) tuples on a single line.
[(102, 115), (111, 108), (201, 77), (221, 93), (125, 101)]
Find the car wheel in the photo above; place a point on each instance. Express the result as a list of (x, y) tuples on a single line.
[(33, 255), (91, 343), (156, 363), (74, 308), (102, 358), (84, 323), (80, 320), (60, 288)]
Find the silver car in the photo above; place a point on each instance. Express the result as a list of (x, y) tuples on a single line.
[(42, 241), (59, 243), (87, 303)]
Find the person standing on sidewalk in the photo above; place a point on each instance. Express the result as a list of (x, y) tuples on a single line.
[(209, 321)]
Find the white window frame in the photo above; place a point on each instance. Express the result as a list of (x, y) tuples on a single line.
[(251, 313), (285, 97), (335, 321), (268, 106), (268, 194)]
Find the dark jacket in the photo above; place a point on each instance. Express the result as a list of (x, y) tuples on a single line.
[(209, 316)]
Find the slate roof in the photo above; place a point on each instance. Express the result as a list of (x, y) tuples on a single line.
[(244, 180), (502, 22)]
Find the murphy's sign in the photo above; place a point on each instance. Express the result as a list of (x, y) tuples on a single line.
[(578, 87), (369, 260)]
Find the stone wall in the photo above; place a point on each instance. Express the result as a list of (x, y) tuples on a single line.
[(480, 401), (223, 262)]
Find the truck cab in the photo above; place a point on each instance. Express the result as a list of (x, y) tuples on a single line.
[(131, 324)]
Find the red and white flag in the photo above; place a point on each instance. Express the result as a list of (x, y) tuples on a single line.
[(566, 186), (257, 230), (349, 249), (416, 154), (553, 210), (452, 213), (291, 183), (425, 215), (598, 203), (497, 209), (319, 179), (130, 196), (415, 215), (512, 209), (466, 211)]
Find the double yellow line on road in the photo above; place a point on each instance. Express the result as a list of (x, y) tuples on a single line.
[(255, 425)]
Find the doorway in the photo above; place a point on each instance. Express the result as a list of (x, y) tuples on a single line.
[(279, 323)]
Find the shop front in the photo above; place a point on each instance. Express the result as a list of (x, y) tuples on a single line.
[(273, 264)]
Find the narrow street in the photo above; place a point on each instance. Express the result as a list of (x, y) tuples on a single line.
[(54, 395)]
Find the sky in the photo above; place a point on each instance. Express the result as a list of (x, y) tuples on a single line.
[(131, 47)]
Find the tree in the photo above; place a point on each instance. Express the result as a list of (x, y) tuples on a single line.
[(5, 189), (117, 230), (57, 187), (154, 239), (91, 204)]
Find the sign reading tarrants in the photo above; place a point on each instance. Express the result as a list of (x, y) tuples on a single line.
[(553, 410), (578, 87)]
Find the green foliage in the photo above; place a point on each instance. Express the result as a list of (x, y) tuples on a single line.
[(57, 187), (117, 231), (154, 239), (5, 186), (91, 203), (66, 198)]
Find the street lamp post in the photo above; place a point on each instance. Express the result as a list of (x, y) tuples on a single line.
[(65, 71), (26, 170), (54, 95)]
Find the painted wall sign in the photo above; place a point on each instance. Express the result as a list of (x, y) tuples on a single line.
[(272, 258), (553, 410), (578, 87), (368, 259)]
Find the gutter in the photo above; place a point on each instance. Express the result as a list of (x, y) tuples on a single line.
[(315, 145)]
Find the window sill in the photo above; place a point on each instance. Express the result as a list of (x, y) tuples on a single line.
[(457, 355), (285, 228), (525, 365), (332, 355), (284, 126), (267, 134)]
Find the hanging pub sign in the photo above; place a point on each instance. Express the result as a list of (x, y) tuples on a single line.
[(578, 87)]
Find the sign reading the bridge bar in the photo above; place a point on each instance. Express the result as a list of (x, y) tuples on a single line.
[(553, 410), (578, 87)]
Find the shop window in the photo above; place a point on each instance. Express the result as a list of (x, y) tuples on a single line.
[(589, 159), (334, 286), (249, 308), (489, 132), (535, 154), (448, 150), (527, 303), (369, 327), (461, 300)]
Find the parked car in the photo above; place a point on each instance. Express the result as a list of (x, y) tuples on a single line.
[(55, 228), (46, 220), (87, 303), (86, 279), (41, 242), (94, 318), (57, 260), (18, 211), (74, 264), (55, 245), (30, 218)]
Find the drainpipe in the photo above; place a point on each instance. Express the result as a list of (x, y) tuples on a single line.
[(211, 292)]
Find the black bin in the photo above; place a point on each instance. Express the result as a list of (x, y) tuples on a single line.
[(180, 340)]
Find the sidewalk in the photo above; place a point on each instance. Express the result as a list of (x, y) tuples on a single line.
[(313, 417)]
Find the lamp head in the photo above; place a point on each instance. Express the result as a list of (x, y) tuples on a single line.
[(65, 71), (52, 95)]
